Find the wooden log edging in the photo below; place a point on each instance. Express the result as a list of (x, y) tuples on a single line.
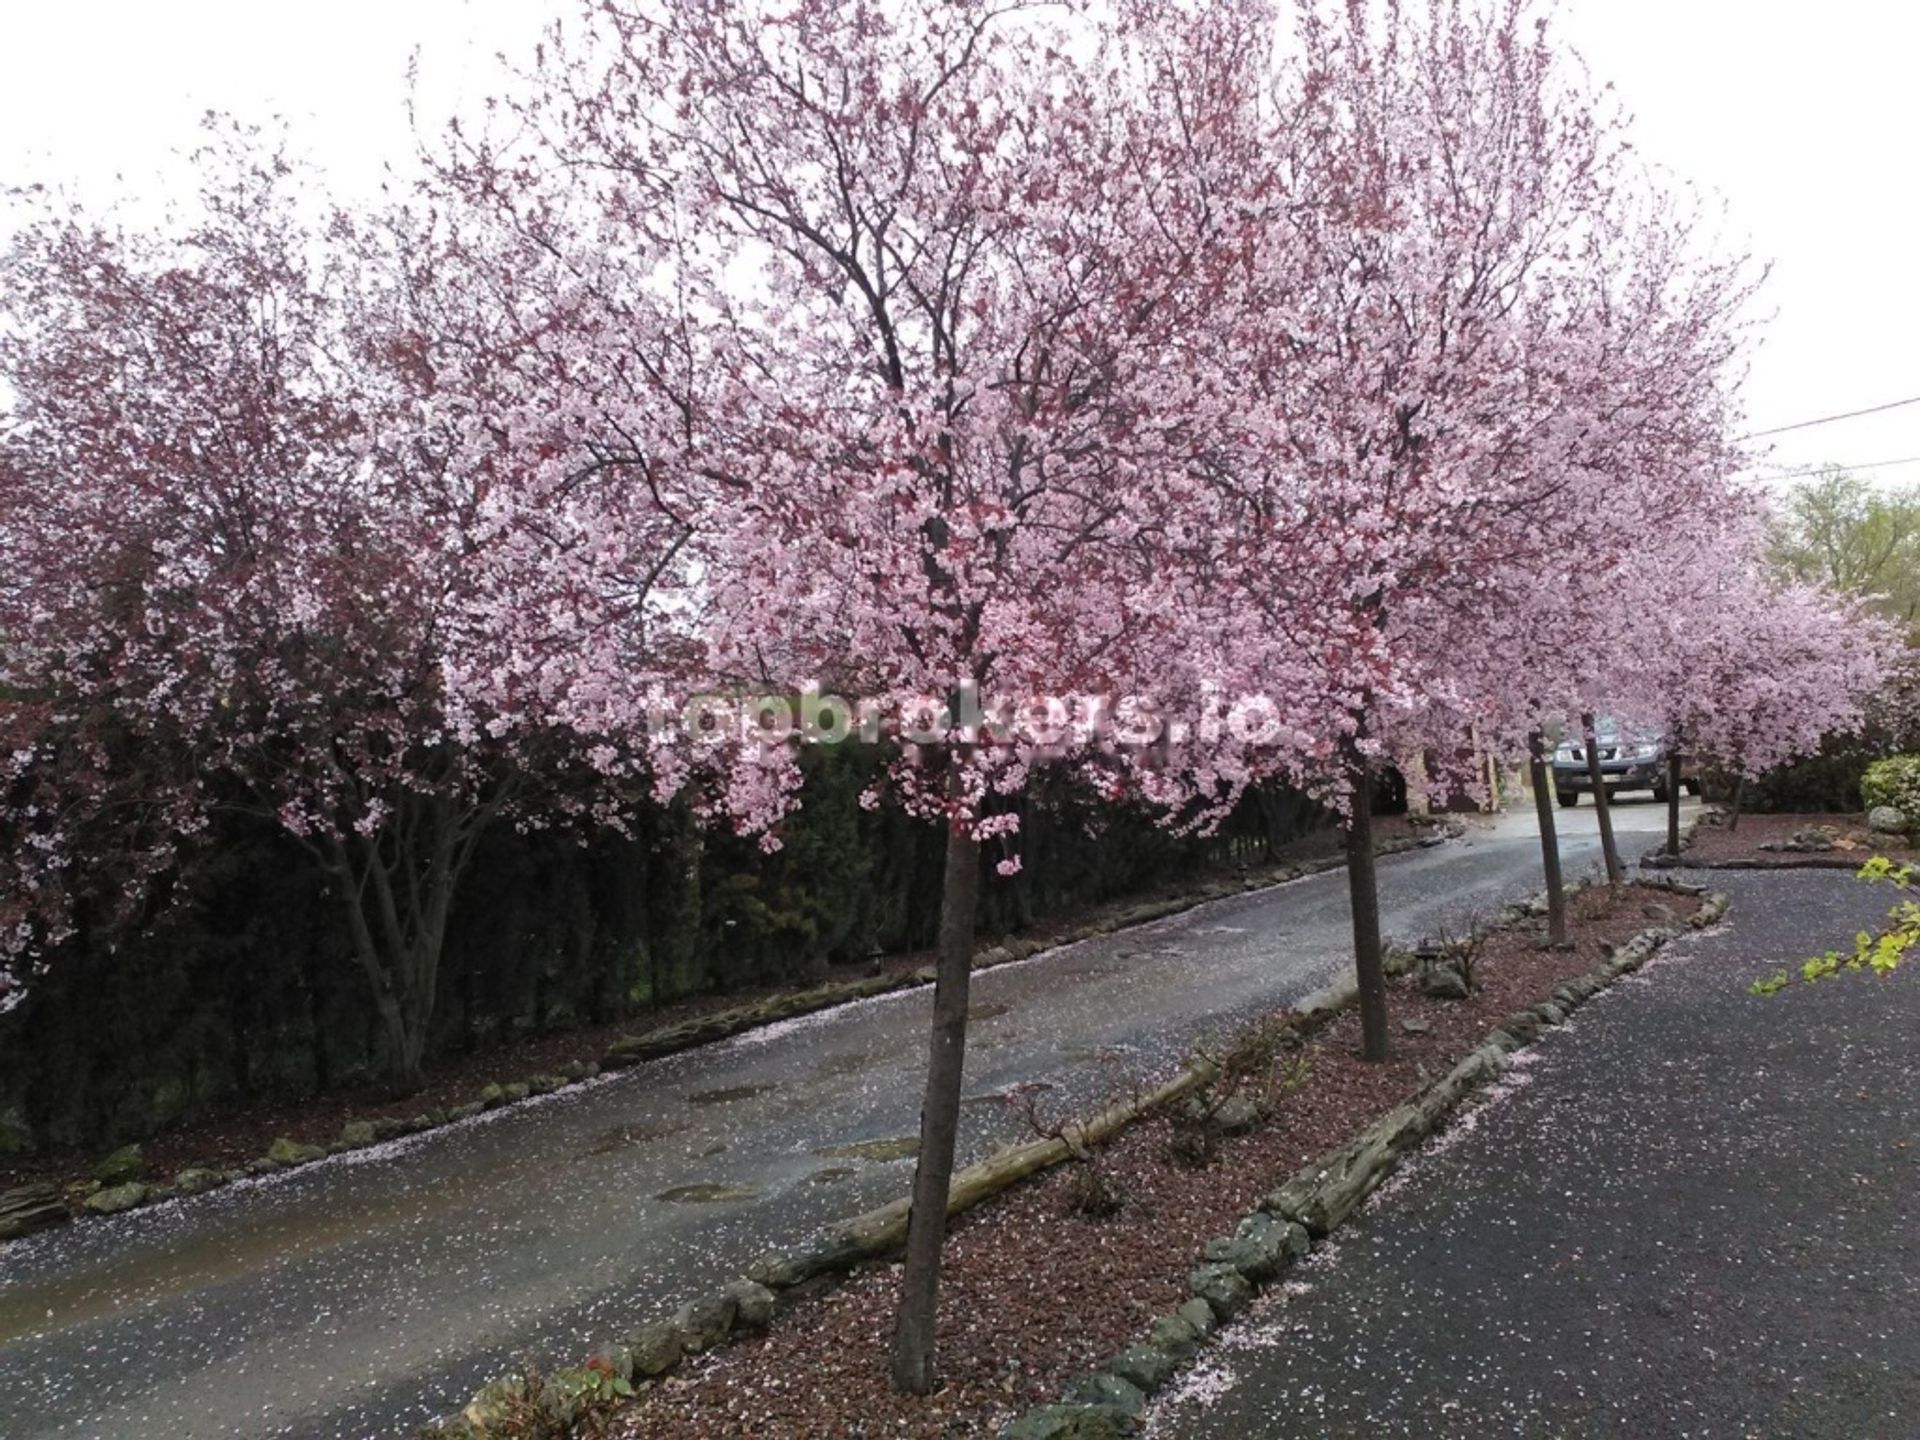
[(1315, 1202)]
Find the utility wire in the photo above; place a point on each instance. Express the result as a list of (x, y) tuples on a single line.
[(1829, 419), (1825, 469)]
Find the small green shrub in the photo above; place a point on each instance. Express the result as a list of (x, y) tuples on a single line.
[(1894, 781)]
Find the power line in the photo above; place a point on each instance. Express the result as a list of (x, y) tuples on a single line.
[(1829, 419), (1825, 469)]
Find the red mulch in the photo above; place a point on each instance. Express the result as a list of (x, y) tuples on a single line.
[(244, 1133), (1032, 1296), (1715, 844)]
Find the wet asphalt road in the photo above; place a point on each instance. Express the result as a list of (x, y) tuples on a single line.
[(356, 1297), (1691, 1213)]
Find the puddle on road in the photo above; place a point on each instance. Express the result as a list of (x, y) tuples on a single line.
[(707, 1193), (622, 1136), (832, 1175), (999, 1097), (228, 1247), (897, 1149), (728, 1095), (843, 1065), (988, 1010)]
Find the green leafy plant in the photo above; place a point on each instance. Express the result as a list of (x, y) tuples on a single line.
[(1880, 953), (1894, 781)]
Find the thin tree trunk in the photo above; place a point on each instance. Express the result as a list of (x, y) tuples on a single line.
[(1739, 790), (1537, 772), (1673, 803), (1616, 872), (913, 1334), (1363, 889)]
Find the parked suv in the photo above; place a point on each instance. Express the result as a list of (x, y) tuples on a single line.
[(1631, 758)]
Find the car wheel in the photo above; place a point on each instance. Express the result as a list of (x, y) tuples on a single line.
[(1693, 788), (1660, 794), (1568, 798)]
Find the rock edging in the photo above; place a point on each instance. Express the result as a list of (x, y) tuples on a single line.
[(1314, 1202)]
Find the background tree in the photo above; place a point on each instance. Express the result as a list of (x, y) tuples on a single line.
[(1849, 534)]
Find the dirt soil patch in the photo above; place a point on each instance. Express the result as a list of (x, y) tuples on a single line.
[(1715, 844), (1034, 1295)]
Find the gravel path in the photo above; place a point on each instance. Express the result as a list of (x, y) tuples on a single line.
[(1691, 1213)]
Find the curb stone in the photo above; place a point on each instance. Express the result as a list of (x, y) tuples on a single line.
[(1324, 1194)]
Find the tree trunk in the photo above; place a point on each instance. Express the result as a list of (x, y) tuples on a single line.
[(1538, 772), (913, 1333), (1616, 872), (1673, 803), (1739, 790), (398, 899), (1363, 889)]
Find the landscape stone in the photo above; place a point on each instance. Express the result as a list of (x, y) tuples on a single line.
[(467, 1111), (1145, 1367), (753, 1303), (1108, 1391), (1175, 1335), (1199, 1314), (1887, 820), (197, 1181), (30, 1208), (656, 1348), (1069, 1422), (491, 1096), (287, 1153), (1261, 1246), (1443, 982), (126, 1163), (705, 1322), (1222, 1287), (357, 1134), (116, 1198)]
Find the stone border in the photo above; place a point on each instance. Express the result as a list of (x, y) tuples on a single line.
[(1658, 858), (43, 1205), (1319, 1198)]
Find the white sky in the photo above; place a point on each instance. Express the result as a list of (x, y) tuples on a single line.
[(1800, 117)]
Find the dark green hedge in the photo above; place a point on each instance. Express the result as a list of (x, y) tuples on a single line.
[(241, 990)]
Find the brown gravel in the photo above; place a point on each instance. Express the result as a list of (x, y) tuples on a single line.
[(1715, 844), (1032, 1296), (245, 1132)]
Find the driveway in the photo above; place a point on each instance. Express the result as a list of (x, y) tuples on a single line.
[(358, 1296), (1690, 1213)]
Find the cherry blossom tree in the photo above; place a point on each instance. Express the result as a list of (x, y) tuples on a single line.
[(953, 258), (292, 517)]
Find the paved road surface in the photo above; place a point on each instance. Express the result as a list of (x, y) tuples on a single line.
[(1693, 1214), (351, 1298)]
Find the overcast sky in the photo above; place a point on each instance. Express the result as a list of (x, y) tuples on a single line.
[(1800, 118)]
